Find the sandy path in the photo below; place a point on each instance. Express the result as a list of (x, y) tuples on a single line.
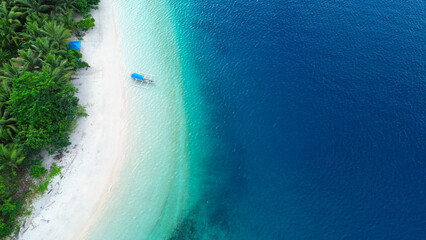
[(94, 157)]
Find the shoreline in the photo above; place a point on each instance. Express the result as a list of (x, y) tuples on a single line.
[(151, 195), (92, 162)]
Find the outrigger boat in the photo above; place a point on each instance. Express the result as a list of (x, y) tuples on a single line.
[(146, 78)]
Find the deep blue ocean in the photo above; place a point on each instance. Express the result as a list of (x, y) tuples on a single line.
[(316, 118)]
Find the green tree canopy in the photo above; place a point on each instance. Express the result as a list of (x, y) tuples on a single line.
[(37, 99), (43, 109)]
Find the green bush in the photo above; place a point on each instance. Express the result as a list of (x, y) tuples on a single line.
[(37, 170), (43, 109), (86, 24), (42, 187), (82, 64), (9, 212), (83, 7), (74, 58), (55, 171), (7, 185), (81, 111), (44, 184)]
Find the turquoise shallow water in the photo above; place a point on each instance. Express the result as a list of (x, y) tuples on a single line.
[(154, 191)]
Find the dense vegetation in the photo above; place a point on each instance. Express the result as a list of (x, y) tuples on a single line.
[(37, 101)]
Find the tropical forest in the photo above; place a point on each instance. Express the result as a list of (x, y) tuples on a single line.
[(38, 106)]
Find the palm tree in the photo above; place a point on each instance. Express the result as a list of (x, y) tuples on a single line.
[(10, 71), (60, 73), (43, 46), (8, 127), (9, 25), (10, 16), (67, 19), (8, 130), (5, 90), (57, 32), (66, 4), (35, 6), (4, 55), (32, 27), (56, 61), (28, 60), (11, 156)]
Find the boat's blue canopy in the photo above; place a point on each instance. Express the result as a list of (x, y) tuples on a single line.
[(137, 76), (74, 45)]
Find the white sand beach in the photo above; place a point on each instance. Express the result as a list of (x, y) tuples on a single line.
[(90, 166)]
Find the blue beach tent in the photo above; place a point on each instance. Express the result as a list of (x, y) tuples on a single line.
[(74, 45)]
